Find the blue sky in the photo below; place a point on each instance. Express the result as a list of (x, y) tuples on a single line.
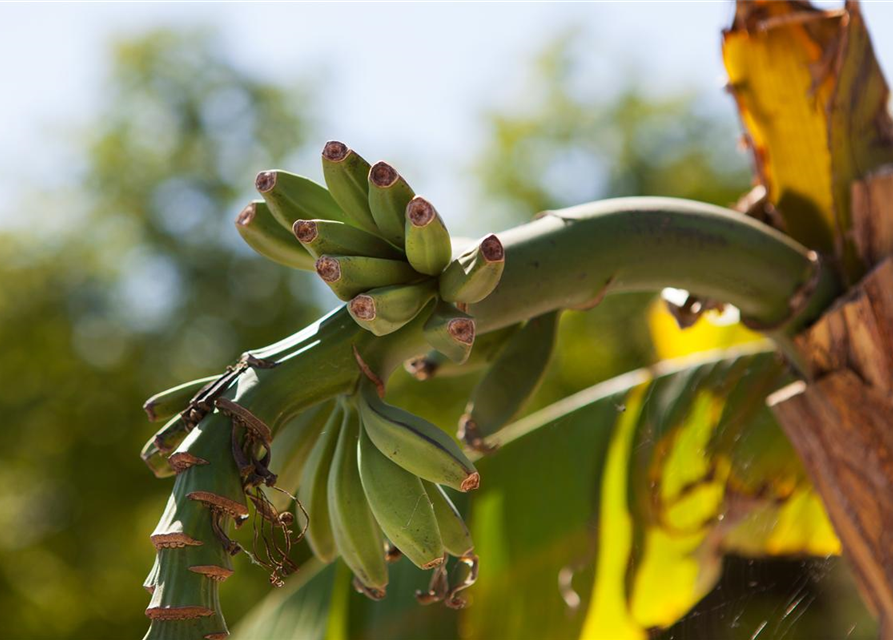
[(452, 62)]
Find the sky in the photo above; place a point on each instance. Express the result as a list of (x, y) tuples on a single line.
[(404, 81)]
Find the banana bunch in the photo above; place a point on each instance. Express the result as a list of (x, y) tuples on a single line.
[(375, 474), (380, 247)]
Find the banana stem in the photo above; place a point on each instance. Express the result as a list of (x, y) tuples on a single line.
[(565, 259)]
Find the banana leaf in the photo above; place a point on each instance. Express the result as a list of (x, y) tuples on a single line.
[(604, 515)]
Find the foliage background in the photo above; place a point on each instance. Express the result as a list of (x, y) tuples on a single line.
[(126, 277)]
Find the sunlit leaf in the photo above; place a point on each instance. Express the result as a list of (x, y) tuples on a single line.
[(813, 100), (709, 332)]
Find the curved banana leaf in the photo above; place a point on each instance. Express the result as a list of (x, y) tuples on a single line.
[(603, 515)]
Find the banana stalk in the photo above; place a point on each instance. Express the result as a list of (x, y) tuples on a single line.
[(567, 258), (563, 260), (191, 558)]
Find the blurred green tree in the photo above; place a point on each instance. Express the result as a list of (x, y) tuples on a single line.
[(142, 282)]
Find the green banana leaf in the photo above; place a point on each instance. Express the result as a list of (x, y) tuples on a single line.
[(602, 516)]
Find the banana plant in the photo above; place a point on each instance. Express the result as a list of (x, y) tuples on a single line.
[(685, 460)]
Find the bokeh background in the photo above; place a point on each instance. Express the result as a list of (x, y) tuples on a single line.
[(130, 138)]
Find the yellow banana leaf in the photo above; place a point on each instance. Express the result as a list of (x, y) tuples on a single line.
[(813, 102)]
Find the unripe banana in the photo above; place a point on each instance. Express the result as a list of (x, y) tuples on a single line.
[(295, 441), (453, 531), (427, 243), (387, 309), (415, 444), (511, 380), (400, 505), (156, 460), (450, 331), (321, 237), (485, 350), (292, 197), (357, 534), (313, 490), (169, 437), (472, 276), (348, 276), (389, 194), (347, 176), (266, 236), (156, 451), (166, 404)]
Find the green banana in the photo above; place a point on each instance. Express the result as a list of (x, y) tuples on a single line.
[(313, 490), (389, 194), (156, 460), (292, 197), (386, 309), (347, 176), (156, 451), (357, 535), (511, 380), (473, 275), (321, 237), (486, 348), (266, 236), (166, 404), (450, 331), (453, 531), (169, 437), (294, 443), (400, 505), (427, 242), (414, 443), (348, 276)]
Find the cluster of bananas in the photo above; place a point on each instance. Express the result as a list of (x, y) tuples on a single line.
[(373, 480), (377, 245), (376, 472)]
